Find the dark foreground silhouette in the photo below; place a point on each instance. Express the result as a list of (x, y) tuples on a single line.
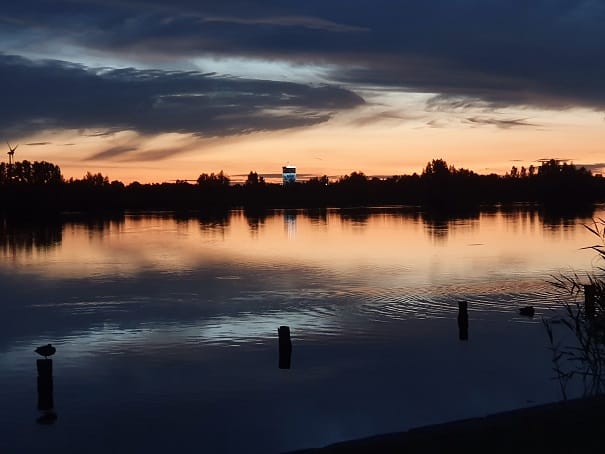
[(40, 187), (564, 427)]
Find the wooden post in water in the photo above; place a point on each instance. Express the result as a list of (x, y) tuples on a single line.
[(45, 384), (285, 347), (463, 320), (589, 301), (46, 402)]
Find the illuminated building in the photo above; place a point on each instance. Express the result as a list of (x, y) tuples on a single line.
[(289, 174)]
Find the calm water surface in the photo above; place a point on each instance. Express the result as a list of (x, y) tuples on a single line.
[(166, 326)]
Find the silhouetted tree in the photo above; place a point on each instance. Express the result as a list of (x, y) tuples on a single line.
[(25, 172), (96, 179), (437, 168), (254, 179), (219, 180)]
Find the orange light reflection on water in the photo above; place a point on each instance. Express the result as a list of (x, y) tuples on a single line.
[(387, 245)]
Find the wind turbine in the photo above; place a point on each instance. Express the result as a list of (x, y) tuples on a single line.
[(11, 153)]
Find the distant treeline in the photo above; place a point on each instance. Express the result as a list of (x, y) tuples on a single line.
[(26, 186)]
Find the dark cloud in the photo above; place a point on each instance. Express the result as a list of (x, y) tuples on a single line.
[(597, 167), (544, 53), (111, 153), (39, 95), (37, 144), (105, 133), (379, 117), (313, 23), (437, 124), (502, 123), (155, 155)]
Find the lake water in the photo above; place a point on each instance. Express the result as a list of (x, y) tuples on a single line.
[(166, 326)]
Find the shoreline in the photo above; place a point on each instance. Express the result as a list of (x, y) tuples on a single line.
[(566, 426)]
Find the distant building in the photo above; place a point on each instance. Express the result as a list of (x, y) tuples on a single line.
[(289, 174)]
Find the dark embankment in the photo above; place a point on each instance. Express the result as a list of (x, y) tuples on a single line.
[(572, 427)]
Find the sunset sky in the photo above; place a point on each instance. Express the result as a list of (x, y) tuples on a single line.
[(155, 91)]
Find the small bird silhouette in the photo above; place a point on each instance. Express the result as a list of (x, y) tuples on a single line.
[(46, 350)]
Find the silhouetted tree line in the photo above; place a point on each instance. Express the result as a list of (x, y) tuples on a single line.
[(26, 186)]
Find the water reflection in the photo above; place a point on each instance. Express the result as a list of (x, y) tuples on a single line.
[(317, 216), (95, 223), (46, 403), (24, 236), (175, 317), (256, 218), (463, 320), (438, 224), (358, 217), (214, 219), (290, 223)]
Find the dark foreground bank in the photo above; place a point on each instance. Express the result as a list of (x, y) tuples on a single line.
[(574, 427)]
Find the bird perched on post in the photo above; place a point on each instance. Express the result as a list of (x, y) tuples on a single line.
[(46, 350)]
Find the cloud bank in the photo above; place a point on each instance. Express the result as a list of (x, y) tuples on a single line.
[(41, 95), (496, 53)]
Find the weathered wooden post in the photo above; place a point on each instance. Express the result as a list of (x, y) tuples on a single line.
[(463, 320), (45, 384), (285, 347), (46, 402), (589, 301)]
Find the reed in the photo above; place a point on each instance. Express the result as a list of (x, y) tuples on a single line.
[(584, 358)]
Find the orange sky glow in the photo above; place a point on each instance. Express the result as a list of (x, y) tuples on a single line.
[(386, 146), (155, 92)]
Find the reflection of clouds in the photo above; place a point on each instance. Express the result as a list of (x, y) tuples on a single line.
[(170, 339)]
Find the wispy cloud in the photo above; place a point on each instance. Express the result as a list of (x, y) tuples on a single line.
[(597, 167), (506, 123), (111, 153), (313, 23), (381, 117)]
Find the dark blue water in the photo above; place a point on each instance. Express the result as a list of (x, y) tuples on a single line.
[(166, 327)]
